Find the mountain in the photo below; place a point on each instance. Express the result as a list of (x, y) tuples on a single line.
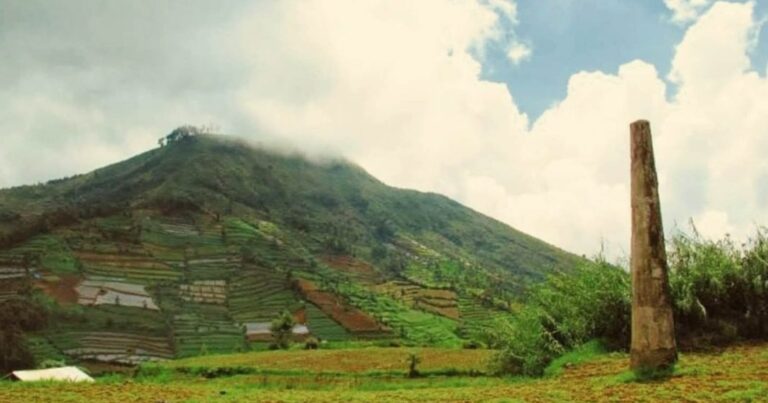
[(197, 245)]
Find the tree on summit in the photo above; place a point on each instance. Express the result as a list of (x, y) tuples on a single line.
[(181, 133)]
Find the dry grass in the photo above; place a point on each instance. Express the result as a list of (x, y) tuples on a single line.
[(737, 374)]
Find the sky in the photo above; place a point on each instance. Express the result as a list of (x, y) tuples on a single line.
[(519, 109)]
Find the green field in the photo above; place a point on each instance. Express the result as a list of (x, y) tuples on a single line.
[(737, 374)]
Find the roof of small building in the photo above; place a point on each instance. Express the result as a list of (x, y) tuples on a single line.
[(68, 374), (265, 328)]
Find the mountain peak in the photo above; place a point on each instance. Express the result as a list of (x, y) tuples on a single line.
[(209, 226)]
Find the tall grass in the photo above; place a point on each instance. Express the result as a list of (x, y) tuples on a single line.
[(719, 290)]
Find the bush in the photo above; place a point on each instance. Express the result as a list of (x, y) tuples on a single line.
[(282, 330), (413, 362), (311, 344), (719, 292), (564, 312), (18, 316)]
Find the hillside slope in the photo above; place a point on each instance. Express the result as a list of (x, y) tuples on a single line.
[(179, 250)]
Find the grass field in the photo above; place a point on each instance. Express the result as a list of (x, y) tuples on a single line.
[(738, 374)]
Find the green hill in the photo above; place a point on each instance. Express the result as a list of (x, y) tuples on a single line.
[(175, 251)]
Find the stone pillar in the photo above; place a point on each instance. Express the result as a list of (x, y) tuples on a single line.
[(653, 329)]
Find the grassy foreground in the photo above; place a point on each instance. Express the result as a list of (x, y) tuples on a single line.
[(735, 374)]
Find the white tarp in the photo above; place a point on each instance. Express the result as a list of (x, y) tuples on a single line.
[(67, 374)]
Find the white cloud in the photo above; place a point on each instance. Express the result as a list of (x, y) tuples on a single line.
[(518, 53), (685, 11), (395, 87), (419, 116)]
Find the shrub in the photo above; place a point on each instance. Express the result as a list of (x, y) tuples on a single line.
[(16, 317), (413, 362), (311, 344), (282, 330), (719, 292), (564, 312)]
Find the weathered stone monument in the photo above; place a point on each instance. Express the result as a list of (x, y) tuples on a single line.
[(653, 329)]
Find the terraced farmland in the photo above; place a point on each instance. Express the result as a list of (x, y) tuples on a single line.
[(44, 252), (115, 347), (111, 292), (204, 329), (259, 294), (354, 320), (476, 319), (126, 265), (323, 327), (205, 291), (437, 301), (355, 269)]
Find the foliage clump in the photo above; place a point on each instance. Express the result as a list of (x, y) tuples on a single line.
[(18, 316), (413, 362), (563, 313), (719, 292), (282, 330)]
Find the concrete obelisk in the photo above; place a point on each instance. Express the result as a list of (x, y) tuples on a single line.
[(653, 329)]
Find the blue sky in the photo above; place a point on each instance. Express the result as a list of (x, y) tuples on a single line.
[(568, 36)]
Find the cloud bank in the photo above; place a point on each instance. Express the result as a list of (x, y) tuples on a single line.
[(396, 87)]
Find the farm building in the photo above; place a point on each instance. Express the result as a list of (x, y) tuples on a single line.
[(65, 374), (262, 332)]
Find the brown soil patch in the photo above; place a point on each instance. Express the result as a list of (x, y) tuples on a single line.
[(351, 318), (61, 288), (300, 316)]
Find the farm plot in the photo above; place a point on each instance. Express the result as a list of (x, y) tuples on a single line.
[(437, 301), (204, 329), (116, 347), (360, 360), (357, 270), (62, 288), (211, 267), (264, 240), (323, 327), (12, 273), (141, 268), (204, 291), (477, 319), (259, 294), (111, 292), (10, 288), (354, 320), (416, 326), (45, 252), (173, 241)]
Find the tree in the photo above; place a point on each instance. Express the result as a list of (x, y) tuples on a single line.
[(282, 330), (18, 316), (413, 362)]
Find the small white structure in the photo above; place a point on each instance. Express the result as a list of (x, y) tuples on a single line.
[(65, 374), (262, 331)]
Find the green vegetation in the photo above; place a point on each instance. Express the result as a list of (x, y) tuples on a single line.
[(18, 316), (719, 291), (282, 330), (380, 375), (175, 251)]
